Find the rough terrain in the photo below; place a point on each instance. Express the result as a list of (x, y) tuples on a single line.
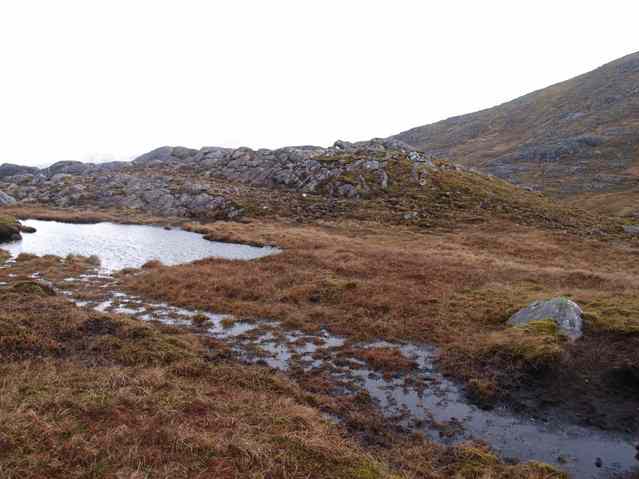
[(380, 243), (579, 137)]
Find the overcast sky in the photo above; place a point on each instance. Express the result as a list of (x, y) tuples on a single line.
[(88, 79)]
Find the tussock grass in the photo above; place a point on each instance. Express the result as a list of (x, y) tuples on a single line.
[(456, 289), (96, 395), (87, 394)]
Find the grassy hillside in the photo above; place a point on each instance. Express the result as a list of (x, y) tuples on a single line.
[(581, 135)]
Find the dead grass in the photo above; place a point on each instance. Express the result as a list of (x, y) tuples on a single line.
[(456, 289), (87, 394), (384, 358), (84, 215), (94, 395)]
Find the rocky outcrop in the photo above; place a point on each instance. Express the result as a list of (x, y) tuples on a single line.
[(8, 169), (179, 181), (565, 313), (348, 170)]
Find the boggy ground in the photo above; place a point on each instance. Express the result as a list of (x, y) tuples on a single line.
[(455, 289), (91, 394)]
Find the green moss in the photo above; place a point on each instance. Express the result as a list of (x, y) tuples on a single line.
[(615, 315), (542, 327), (534, 346), (7, 220)]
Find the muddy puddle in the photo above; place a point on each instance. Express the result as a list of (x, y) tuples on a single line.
[(419, 397)]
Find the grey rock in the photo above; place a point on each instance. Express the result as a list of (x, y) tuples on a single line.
[(565, 313), (631, 229), (21, 179), (159, 154), (68, 168), (6, 199), (60, 178), (9, 169)]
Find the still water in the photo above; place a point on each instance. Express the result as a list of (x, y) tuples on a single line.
[(126, 246)]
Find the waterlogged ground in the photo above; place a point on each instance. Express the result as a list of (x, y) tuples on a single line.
[(401, 379)]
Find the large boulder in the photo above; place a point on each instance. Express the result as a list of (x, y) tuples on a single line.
[(6, 199), (565, 313), (68, 168), (166, 155)]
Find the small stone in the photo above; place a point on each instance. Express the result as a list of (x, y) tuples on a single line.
[(598, 462)]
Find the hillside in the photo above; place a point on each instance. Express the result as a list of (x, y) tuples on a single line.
[(578, 137)]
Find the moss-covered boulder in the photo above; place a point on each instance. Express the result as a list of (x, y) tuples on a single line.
[(9, 229), (565, 314)]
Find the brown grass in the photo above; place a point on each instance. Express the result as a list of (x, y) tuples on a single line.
[(87, 394), (456, 289), (93, 395), (384, 358), (84, 215)]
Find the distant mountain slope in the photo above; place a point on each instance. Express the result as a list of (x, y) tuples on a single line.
[(578, 136)]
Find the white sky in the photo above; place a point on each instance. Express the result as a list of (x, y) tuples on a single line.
[(112, 78)]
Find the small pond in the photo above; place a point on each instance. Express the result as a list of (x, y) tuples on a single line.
[(127, 246)]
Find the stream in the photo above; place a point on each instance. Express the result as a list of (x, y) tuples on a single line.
[(420, 398)]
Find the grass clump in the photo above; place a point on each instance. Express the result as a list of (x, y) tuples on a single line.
[(535, 346), (617, 315), (8, 220), (386, 359)]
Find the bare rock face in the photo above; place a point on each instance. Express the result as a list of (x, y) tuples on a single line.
[(565, 313), (180, 181)]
